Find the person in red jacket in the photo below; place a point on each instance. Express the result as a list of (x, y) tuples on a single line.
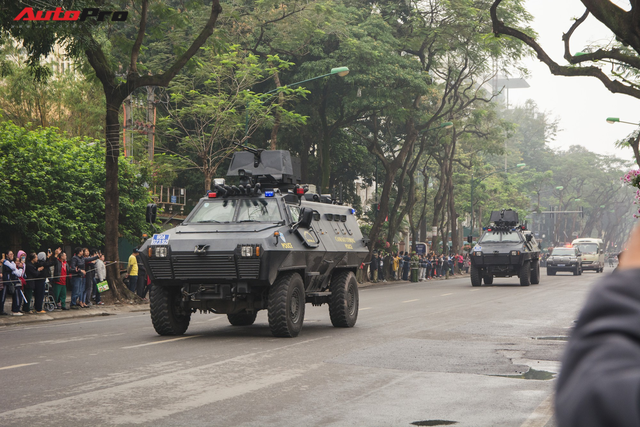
[(61, 276)]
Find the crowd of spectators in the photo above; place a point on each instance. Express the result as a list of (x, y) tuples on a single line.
[(386, 266), (24, 278)]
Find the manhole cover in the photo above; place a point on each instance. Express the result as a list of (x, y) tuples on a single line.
[(433, 423)]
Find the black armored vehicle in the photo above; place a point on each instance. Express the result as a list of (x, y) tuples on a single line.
[(505, 249), (264, 244)]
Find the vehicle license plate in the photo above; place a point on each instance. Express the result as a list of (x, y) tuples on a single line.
[(560, 265)]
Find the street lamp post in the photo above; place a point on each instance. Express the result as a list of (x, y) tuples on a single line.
[(477, 181), (340, 71)]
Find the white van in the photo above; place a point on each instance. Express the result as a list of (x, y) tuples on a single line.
[(592, 253)]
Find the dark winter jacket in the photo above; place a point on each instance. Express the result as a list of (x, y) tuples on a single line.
[(599, 383)]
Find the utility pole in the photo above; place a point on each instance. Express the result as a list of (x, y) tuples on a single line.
[(128, 127)]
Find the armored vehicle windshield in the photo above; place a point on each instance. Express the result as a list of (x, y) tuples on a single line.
[(236, 210), (501, 236)]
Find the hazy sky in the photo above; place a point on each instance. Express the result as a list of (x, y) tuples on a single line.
[(581, 103)]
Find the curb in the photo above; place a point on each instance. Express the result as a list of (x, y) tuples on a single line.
[(75, 314), (398, 282)]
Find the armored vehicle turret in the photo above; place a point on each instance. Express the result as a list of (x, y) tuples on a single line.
[(263, 244), (505, 249)]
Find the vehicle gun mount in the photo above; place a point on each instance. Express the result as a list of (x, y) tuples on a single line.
[(504, 219), (271, 168)]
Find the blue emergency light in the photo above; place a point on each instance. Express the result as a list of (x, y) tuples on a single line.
[(268, 193)]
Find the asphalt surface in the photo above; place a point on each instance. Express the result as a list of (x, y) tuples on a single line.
[(419, 352)]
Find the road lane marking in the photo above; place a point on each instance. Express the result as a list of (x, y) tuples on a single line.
[(208, 320), (162, 342), (411, 300), (18, 366), (541, 415), (444, 295), (471, 290), (366, 308)]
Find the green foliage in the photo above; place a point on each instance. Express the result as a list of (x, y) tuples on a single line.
[(214, 107), (52, 189)]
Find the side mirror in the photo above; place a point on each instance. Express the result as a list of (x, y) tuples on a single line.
[(306, 217), (152, 213), (529, 237)]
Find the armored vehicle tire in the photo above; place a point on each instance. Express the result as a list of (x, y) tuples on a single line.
[(242, 319), (488, 280), (476, 279), (550, 272), (525, 274), (535, 273), (344, 300), (286, 305), (166, 314)]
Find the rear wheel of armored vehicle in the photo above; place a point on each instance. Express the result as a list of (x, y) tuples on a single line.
[(344, 300), (167, 315), (525, 274), (242, 319), (535, 273), (476, 278), (286, 305), (488, 280)]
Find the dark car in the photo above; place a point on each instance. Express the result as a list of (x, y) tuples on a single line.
[(505, 249), (564, 259), (265, 244)]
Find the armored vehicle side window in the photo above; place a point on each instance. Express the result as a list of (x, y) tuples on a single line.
[(215, 211), (259, 210), (294, 211)]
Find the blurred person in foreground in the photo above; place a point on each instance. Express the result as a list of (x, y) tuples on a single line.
[(599, 383)]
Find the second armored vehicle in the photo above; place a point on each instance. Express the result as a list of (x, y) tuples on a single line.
[(265, 244), (505, 249)]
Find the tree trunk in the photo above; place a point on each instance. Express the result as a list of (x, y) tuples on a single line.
[(112, 198), (276, 123)]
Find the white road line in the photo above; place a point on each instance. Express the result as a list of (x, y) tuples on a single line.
[(444, 295), (541, 415), (411, 300), (471, 290), (162, 342), (366, 308), (18, 366), (206, 321)]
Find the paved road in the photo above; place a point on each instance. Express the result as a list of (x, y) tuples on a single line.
[(427, 351)]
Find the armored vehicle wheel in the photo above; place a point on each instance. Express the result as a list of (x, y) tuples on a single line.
[(167, 316), (550, 272), (525, 274), (476, 279), (488, 280), (535, 273), (344, 300), (242, 319), (286, 305)]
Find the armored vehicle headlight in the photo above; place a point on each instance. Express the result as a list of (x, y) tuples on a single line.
[(161, 251), (514, 253), (478, 253), (246, 251)]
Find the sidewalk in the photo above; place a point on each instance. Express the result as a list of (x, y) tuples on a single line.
[(397, 282), (93, 311)]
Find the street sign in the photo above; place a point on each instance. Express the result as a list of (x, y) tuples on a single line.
[(575, 234), (174, 199)]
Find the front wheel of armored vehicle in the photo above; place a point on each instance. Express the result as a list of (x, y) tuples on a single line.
[(535, 273), (242, 319), (167, 315), (525, 274), (286, 305), (344, 300), (476, 278)]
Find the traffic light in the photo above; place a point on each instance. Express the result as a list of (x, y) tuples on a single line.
[(581, 211), (469, 239)]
